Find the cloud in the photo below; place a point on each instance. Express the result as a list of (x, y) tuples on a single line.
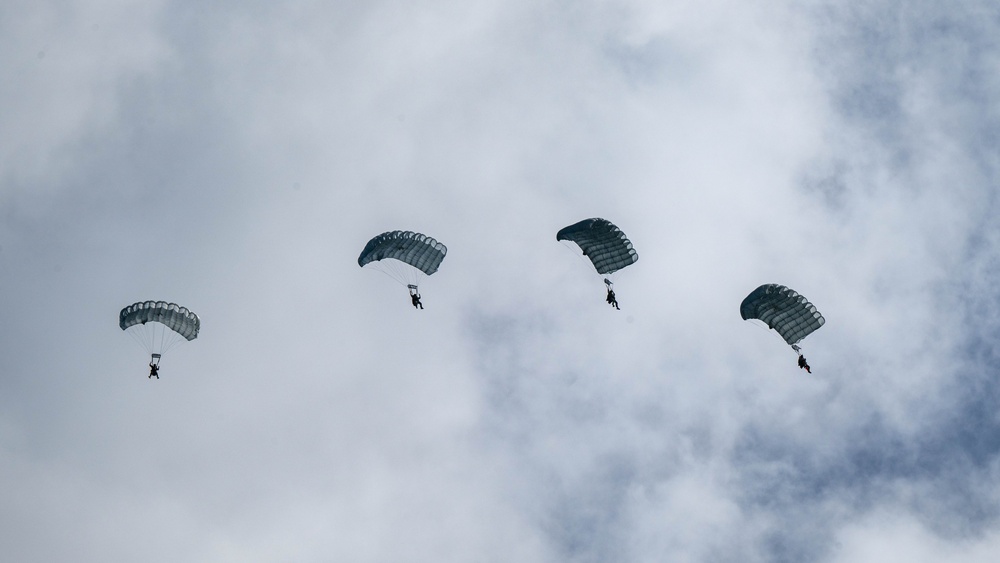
[(236, 158)]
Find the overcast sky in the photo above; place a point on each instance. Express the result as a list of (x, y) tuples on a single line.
[(235, 157)]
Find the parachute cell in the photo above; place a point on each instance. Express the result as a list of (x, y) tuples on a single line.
[(607, 247), (791, 315)]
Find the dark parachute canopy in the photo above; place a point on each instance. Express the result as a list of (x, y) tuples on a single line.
[(173, 316), (605, 244), (420, 251), (784, 310), (158, 325), (403, 255)]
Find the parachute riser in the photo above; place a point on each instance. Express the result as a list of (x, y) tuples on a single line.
[(155, 360), (400, 272), (573, 249)]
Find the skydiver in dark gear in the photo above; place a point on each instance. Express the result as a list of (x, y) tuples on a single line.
[(803, 364), (415, 299), (154, 371), (611, 298)]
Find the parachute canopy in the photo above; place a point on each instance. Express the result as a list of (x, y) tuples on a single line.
[(605, 244), (784, 310), (420, 253), (158, 325), (173, 316)]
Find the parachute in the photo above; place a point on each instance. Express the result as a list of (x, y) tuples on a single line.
[(605, 244), (788, 313), (404, 256), (158, 326)]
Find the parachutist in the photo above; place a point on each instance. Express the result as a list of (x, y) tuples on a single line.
[(406, 257), (611, 298), (803, 364), (158, 325), (607, 247), (791, 315)]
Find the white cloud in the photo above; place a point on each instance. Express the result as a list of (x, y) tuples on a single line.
[(235, 159)]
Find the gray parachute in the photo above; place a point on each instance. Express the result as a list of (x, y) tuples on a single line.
[(605, 244), (173, 316), (784, 310), (420, 251), (158, 326)]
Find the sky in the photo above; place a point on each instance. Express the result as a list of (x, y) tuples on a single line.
[(235, 157)]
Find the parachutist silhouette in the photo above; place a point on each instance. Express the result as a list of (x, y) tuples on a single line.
[(149, 322), (803, 364), (415, 298), (605, 245), (786, 312)]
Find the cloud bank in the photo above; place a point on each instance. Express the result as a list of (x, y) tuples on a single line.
[(235, 158)]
